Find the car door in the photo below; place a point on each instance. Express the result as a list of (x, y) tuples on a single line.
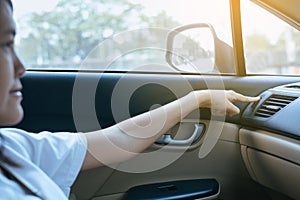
[(239, 152)]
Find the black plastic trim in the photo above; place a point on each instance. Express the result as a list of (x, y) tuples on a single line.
[(182, 189)]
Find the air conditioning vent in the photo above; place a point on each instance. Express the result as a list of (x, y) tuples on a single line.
[(273, 104)]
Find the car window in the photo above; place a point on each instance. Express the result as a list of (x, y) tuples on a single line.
[(271, 45), (111, 34)]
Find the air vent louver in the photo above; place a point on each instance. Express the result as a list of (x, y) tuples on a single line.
[(273, 104)]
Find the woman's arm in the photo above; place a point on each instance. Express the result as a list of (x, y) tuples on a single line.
[(130, 137)]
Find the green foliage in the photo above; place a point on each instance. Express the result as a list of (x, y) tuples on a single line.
[(75, 27)]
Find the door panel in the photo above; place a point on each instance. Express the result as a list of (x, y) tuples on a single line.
[(48, 95), (224, 163), (49, 102)]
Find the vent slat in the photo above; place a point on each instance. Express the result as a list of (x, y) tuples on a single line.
[(276, 103), (286, 101), (262, 115), (266, 111), (273, 105), (283, 97)]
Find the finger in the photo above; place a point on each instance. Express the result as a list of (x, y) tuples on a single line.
[(233, 110), (243, 98)]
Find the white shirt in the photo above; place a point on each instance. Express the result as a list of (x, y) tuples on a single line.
[(49, 164)]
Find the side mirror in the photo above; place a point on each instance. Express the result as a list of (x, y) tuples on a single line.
[(196, 48)]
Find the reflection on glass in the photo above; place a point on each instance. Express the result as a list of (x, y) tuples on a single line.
[(193, 50)]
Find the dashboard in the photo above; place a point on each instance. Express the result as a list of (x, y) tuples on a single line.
[(270, 139), (277, 111)]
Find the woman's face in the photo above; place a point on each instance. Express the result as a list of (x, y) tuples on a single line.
[(11, 69)]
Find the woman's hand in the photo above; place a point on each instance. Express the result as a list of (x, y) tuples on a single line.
[(221, 101)]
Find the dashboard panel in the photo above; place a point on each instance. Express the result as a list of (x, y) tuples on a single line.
[(277, 111), (270, 139)]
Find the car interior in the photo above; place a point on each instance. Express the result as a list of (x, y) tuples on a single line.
[(252, 155)]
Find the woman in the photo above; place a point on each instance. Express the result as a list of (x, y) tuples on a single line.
[(45, 165)]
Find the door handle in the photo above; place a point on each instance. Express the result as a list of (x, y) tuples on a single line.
[(166, 139)]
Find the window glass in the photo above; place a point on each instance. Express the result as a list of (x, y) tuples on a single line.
[(67, 34), (272, 46)]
